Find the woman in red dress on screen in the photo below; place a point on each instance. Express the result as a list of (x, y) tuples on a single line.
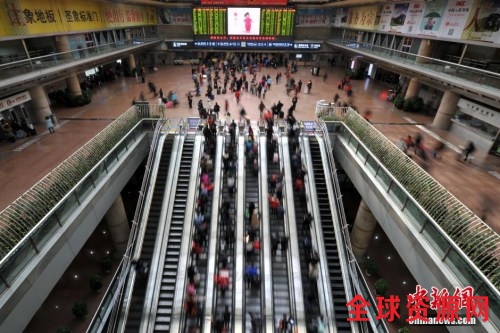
[(248, 22)]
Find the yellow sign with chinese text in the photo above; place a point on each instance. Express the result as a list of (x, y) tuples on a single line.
[(364, 17), (39, 17)]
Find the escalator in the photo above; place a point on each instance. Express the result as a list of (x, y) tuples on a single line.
[(225, 243), (171, 260), (310, 291), (281, 287), (253, 293), (201, 262), (330, 244), (137, 301)]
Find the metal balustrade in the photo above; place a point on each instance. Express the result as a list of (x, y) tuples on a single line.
[(476, 75), (28, 223), (36, 64), (465, 243)]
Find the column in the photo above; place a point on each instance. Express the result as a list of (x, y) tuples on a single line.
[(362, 231), (131, 61), (446, 110), (413, 89), (424, 50), (62, 46), (117, 222), (128, 36), (40, 103), (359, 37), (73, 85)]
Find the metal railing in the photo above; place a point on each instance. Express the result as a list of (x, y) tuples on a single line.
[(476, 75), (358, 283), (108, 306), (464, 243), (28, 224), (30, 65)]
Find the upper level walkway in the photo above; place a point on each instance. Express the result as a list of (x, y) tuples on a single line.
[(24, 74), (467, 80)]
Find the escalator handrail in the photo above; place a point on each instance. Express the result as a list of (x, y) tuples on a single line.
[(138, 227), (213, 240), (324, 294), (239, 290), (295, 283), (351, 260), (266, 285), (178, 315)]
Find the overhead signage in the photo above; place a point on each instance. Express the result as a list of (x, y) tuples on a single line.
[(17, 99), (307, 46), (179, 45)]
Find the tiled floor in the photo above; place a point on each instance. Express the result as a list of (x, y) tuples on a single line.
[(26, 161), (23, 163)]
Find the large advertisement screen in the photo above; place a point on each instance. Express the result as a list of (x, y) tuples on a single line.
[(243, 21), (230, 26)]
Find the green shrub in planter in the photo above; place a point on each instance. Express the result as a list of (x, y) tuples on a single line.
[(381, 287), (417, 104), (63, 329), (370, 266), (95, 282), (407, 105), (80, 309), (399, 102), (106, 265), (404, 330)]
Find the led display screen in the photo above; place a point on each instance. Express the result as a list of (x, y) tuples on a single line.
[(252, 24)]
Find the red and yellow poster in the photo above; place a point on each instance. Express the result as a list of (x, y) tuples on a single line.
[(38, 17)]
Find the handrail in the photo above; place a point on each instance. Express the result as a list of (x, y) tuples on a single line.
[(468, 239), (10, 69), (213, 241), (324, 297), (344, 228), (294, 271), (476, 75), (138, 224)]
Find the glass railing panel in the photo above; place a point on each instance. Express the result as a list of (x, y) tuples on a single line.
[(462, 269), (110, 161), (45, 231), (434, 236), (372, 164), (121, 150), (384, 178), (362, 153), (493, 304), (415, 214), (397, 194), (84, 188), (66, 207), (23, 255), (98, 173)]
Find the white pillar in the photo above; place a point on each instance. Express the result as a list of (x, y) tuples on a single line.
[(74, 85), (118, 226), (362, 231), (40, 103), (446, 110)]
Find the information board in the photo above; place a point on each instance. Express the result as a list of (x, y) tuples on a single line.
[(209, 21)]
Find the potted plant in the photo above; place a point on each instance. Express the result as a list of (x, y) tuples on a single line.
[(95, 282), (80, 309), (404, 330), (399, 102), (63, 329), (370, 266), (381, 287), (106, 265)]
